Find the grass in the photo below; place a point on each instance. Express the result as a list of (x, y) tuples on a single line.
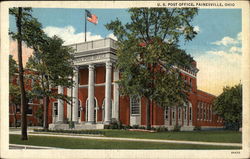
[(209, 136), (73, 143)]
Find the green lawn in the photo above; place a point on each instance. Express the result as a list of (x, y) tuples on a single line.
[(73, 143), (209, 136)]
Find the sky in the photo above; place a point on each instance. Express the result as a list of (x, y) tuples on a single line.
[(216, 48)]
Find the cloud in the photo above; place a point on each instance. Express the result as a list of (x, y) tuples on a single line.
[(231, 58), (69, 35), (218, 69), (239, 36), (225, 41), (235, 49), (197, 29), (112, 36), (221, 67)]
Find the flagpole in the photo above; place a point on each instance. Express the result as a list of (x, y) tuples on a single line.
[(85, 25)]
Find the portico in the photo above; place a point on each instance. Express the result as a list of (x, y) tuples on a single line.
[(89, 56)]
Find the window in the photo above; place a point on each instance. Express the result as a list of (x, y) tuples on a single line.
[(30, 101), (18, 110), (79, 108), (29, 109), (179, 113), (95, 110), (204, 110), (208, 114), (190, 113), (198, 110), (173, 114), (135, 105), (55, 107), (211, 113), (185, 113), (166, 113)]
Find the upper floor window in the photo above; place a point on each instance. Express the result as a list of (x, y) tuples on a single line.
[(18, 110), (29, 110), (135, 105), (190, 82)]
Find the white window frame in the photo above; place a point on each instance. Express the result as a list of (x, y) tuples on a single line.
[(190, 112), (173, 113), (179, 113), (139, 106), (166, 114), (54, 114)]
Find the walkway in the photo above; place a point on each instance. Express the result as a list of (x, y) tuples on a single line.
[(134, 139)]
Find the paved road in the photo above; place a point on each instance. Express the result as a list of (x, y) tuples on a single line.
[(134, 139)]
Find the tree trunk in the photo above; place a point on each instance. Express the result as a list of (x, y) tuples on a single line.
[(20, 67), (45, 113), (15, 125), (148, 114)]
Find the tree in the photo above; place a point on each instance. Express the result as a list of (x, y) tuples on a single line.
[(28, 31), (228, 105), (52, 66), (149, 55), (14, 90)]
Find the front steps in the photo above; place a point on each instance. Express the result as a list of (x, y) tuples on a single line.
[(78, 126)]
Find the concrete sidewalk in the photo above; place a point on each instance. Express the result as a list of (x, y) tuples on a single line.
[(17, 146), (134, 139)]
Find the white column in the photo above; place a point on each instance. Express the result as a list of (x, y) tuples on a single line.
[(75, 97), (91, 97), (69, 104), (116, 95), (60, 105), (108, 93)]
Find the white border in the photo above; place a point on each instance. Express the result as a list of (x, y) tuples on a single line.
[(6, 153)]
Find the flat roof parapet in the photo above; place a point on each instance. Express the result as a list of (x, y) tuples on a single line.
[(95, 44)]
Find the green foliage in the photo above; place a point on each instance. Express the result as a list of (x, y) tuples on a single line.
[(31, 32), (114, 125), (148, 70), (94, 132), (177, 128), (39, 115), (161, 129), (52, 64), (228, 105), (197, 128)]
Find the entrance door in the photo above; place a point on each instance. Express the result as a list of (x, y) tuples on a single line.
[(95, 111)]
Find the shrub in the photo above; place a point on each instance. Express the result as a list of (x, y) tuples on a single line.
[(142, 127), (197, 128), (71, 131), (71, 124), (162, 129), (177, 128), (127, 127), (135, 127), (106, 126)]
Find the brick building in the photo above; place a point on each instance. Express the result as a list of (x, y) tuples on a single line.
[(96, 98)]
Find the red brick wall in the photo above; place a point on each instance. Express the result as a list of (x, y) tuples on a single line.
[(124, 103)]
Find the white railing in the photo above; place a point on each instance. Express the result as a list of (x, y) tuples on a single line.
[(96, 44)]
